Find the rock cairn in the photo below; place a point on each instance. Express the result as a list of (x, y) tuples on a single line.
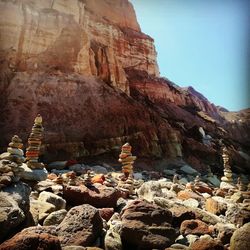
[(72, 179), (226, 180), (127, 160), (87, 179), (10, 162), (34, 144), (14, 151), (109, 180)]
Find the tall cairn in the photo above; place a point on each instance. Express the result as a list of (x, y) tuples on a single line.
[(34, 144), (227, 180), (127, 160)]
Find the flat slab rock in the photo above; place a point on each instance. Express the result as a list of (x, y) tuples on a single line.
[(98, 197)]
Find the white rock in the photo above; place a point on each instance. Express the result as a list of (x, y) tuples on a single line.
[(54, 199), (32, 174), (191, 203), (189, 170), (225, 185)]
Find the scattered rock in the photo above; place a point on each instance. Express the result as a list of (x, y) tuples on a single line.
[(31, 241), (188, 194), (196, 227), (241, 238), (81, 226), (145, 225), (29, 174), (54, 199), (55, 218), (216, 205), (207, 244), (191, 202), (106, 213), (98, 197), (11, 215), (189, 170)]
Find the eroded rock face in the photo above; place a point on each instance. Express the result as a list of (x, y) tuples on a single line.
[(73, 62)]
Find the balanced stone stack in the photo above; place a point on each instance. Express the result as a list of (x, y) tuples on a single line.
[(127, 160), (10, 162), (72, 179), (87, 179), (34, 144), (14, 151), (109, 180), (226, 180)]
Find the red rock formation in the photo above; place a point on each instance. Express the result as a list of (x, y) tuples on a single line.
[(86, 67)]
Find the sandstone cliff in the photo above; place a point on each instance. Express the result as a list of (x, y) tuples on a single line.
[(86, 67)]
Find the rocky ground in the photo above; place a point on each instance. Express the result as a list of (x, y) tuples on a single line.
[(70, 205)]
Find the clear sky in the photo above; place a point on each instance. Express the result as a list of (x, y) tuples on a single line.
[(202, 43)]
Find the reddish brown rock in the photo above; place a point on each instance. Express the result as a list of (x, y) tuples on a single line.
[(81, 226), (180, 214), (187, 194), (215, 207), (32, 241), (146, 226), (196, 227), (202, 188), (98, 197), (106, 213), (207, 244)]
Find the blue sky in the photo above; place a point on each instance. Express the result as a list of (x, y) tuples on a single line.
[(202, 43)]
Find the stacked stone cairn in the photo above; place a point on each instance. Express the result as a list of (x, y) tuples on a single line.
[(59, 180), (126, 182), (227, 178), (87, 179), (72, 178), (34, 144), (127, 160), (109, 180), (11, 162)]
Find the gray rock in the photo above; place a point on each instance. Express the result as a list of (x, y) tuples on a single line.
[(29, 174), (214, 180), (54, 199), (241, 238), (99, 169), (112, 239), (55, 218), (78, 168), (59, 165), (178, 246), (191, 203), (189, 170), (11, 215)]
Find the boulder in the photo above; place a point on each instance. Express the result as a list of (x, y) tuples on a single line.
[(112, 239), (149, 190), (214, 180), (29, 174), (207, 244), (81, 226), (186, 169), (98, 197), (59, 165), (188, 194), (20, 193), (40, 210), (238, 214), (196, 227), (106, 213), (241, 238), (54, 199), (55, 218), (32, 241), (146, 226), (216, 205), (180, 214), (225, 232), (11, 215)]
